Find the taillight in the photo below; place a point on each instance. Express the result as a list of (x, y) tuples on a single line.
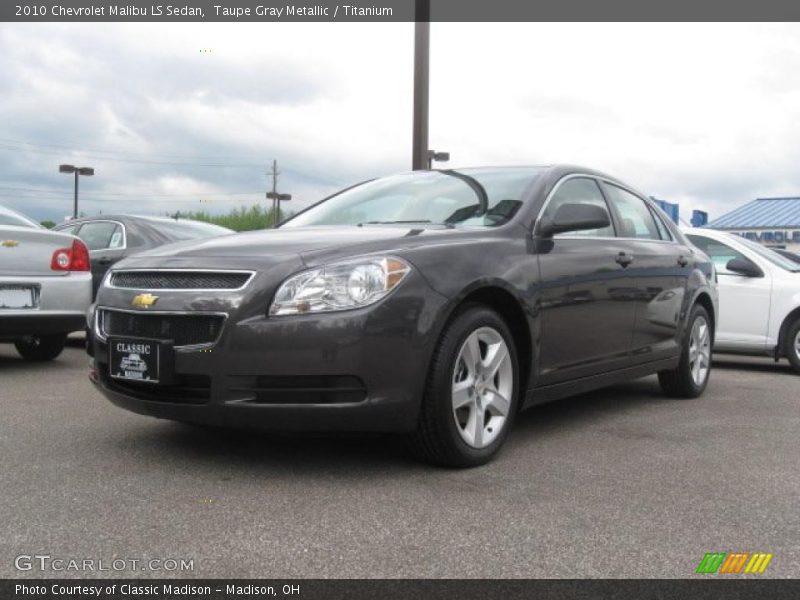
[(75, 258)]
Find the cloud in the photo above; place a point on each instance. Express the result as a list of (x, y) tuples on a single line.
[(704, 114)]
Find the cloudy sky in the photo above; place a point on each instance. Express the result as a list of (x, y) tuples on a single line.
[(705, 115)]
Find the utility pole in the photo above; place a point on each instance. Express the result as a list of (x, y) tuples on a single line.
[(275, 196)]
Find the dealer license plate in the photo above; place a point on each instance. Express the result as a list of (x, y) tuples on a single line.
[(134, 359)]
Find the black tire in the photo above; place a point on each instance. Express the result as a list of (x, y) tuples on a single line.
[(679, 382), (437, 439), (41, 348), (791, 348)]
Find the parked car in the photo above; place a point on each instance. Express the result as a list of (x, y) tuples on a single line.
[(759, 297), (434, 303), (792, 256), (45, 286), (113, 237)]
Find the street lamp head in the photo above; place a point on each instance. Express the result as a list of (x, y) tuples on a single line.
[(86, 171), (66, 168)]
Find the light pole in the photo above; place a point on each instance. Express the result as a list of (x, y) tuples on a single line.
[(86, 171), (422, 35)]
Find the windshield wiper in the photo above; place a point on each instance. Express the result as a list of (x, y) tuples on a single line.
[(409, 222), (412, 221)]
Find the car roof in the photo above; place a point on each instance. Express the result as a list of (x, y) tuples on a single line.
[(123, 218), (8, 211)]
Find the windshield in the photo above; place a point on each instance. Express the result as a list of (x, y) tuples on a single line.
[(471, 197), (9, 217), (771, 255), (188, 230)]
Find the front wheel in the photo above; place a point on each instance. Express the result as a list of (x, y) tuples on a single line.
[(792, 349), (471, 393), (41, 348), (690, 378)]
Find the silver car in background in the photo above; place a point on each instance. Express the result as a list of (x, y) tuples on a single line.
[(45, 286)]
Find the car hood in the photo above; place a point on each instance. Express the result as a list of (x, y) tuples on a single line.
[(309, 243)]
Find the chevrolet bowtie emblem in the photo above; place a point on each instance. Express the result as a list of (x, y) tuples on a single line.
[(9, 243), (144, 301)]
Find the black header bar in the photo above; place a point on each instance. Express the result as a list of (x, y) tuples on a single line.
[(395, 10)]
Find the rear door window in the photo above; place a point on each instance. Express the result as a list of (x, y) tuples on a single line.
[(101, 235), (636, 220)]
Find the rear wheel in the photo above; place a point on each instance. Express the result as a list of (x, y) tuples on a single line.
[(792, 349), (471, 394), (41, 348), (690, 378)]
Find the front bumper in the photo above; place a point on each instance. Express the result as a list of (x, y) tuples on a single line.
[(358, 370)]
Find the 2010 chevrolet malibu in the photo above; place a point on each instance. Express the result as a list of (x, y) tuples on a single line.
[(435, 304)]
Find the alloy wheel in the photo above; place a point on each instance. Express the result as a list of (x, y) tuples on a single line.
[(483, 386), (797, 345), (700, 350)]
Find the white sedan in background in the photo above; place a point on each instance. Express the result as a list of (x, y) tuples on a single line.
[(759, 297), (45, 286)]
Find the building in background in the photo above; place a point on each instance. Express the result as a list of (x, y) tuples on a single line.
[(673, 211), (771, 221)]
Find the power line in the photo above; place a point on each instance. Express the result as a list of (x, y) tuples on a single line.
[(71, 148), (197, 199), (132, 194), (133, 160), (13, 145)]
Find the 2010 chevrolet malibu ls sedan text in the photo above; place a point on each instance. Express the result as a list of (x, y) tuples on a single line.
[(435, 304)]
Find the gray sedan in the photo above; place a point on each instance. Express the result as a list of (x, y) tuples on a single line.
[(434, 304), (45, 286)]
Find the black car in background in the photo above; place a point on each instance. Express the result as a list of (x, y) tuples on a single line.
[(111, 238), (435, 304)]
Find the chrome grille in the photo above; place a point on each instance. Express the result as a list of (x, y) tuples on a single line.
[(180, 280), (182, 329)]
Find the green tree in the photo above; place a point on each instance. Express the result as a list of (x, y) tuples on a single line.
[(239, 219), (47, 223)]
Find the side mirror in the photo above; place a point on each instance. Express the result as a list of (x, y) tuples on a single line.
[(575, 217), (743, 266)]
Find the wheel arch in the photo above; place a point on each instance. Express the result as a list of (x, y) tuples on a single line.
[(704, 299), (505, 302), (788, 321)]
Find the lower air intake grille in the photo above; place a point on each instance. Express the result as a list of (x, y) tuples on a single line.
[(184, 330), (306, 390), (179, 280), (188, 389)]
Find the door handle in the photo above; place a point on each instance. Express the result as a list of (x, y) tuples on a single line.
[(624, 259), (683, 261)]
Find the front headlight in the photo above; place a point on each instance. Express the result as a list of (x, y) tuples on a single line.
[(339, 286)]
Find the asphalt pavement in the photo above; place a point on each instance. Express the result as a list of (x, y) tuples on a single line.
[(618, 483)]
